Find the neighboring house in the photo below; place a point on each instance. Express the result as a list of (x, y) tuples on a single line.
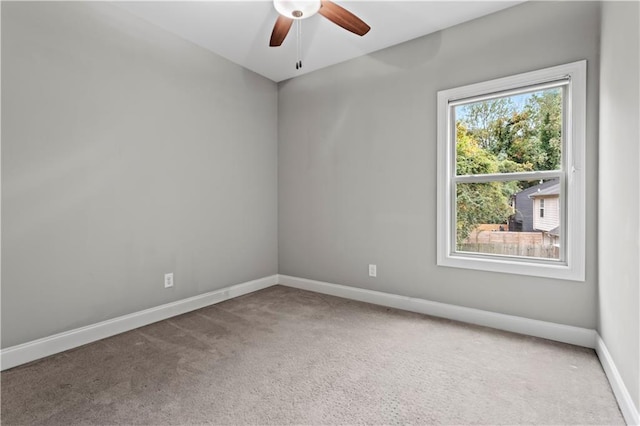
[(546, 213), (546, 208), (526, 218)]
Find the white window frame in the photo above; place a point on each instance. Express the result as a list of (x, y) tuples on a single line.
[(571, 266)]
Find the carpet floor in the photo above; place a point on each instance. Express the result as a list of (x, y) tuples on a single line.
[(287, 356)]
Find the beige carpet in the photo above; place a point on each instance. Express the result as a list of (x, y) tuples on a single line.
[(283, 356)]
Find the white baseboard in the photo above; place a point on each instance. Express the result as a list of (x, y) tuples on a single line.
[(36, 349), (547, 330), (625, 402)]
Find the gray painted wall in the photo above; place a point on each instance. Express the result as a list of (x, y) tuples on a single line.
[(357, 162), (619, 180), (126, 153)]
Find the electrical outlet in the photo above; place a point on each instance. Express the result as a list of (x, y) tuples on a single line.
[(373, 271), (168, 280)]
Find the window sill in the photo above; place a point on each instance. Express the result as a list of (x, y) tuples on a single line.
[(517, 266)]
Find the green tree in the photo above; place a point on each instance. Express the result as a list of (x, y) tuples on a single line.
[(480, 119), (545, 109), (530, 136), (516, 140), (478, 203)]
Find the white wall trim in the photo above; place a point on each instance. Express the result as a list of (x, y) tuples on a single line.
[(625, 402), (572, 175), (40, 348), (547, 330)]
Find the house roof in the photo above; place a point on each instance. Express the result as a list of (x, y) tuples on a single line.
[(551, 190)]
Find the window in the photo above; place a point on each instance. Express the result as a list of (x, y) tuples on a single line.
[(511, 195)]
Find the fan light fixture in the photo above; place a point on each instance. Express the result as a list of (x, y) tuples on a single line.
[(297, 9)]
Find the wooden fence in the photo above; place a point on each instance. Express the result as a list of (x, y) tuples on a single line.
[(529, 244)]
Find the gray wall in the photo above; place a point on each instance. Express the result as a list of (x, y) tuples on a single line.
[(357, 162), (126, 153), (619, 180)]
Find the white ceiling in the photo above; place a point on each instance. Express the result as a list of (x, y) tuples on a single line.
[(240, 30)]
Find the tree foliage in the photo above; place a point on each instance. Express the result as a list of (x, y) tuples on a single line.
[(477, 202), (481, 118)]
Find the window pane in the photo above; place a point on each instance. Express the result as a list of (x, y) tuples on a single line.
[(514, 218), (515, 133)]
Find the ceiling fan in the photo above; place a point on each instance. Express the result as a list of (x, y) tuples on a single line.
[(293, 10)]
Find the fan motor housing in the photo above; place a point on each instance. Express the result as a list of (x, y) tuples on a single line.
[(297, 9)]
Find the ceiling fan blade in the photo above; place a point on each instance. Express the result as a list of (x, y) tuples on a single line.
[(341, 16), (280, 30)]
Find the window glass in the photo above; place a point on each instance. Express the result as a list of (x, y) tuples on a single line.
[(499, 218), (517, 133)]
